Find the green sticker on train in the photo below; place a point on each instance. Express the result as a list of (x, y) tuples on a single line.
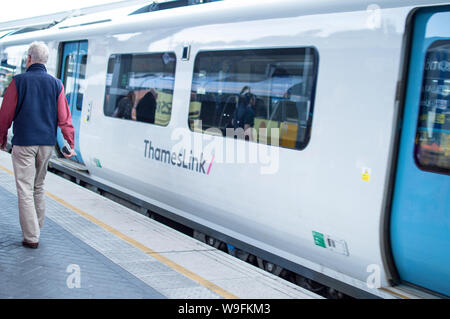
[(97, 162), (319, 239)]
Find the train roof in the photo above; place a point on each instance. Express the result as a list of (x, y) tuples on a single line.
[(131, 18)]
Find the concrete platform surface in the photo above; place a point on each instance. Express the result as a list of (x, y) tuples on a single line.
[(92, 247)]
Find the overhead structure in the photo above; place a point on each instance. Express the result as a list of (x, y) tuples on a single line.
[(90, 15)]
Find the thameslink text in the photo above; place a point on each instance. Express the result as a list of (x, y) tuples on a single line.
[(198, 153), (189, 162)]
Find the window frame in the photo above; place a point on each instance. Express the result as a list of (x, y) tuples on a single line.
[(423, 167), (173, 53), (315, 70)]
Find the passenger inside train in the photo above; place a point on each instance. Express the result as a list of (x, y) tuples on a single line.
[(125, 106), (244, 115), (146, 107)]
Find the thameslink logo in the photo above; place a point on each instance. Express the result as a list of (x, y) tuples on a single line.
[(180, 159), (197, 150)]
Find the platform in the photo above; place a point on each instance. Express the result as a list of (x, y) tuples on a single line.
[(92, 247)]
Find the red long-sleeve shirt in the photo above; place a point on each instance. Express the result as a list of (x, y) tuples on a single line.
[(8, 110)]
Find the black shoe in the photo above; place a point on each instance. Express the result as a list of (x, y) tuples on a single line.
[(30, 245)]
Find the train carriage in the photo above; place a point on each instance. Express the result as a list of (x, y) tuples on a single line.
[(344, 178)]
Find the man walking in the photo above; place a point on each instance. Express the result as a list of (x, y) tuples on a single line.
[(36, 102)]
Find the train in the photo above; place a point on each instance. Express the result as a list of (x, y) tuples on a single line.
[(341, 173)]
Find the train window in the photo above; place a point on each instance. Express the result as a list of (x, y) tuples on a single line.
[(12, 62), (432, 145), (140, 87), (263, 89), (73, 79), (82, 77), (7, 71)]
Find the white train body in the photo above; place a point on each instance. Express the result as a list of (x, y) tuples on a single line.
[(337, 186)]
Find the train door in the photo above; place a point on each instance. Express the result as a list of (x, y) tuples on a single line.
[(73, 71), (420, 219)]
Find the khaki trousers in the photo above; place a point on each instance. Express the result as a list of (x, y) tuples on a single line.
[(30, 167)]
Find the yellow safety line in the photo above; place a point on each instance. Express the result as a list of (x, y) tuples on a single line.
[(206, 283), (394, 293), (7, 170)]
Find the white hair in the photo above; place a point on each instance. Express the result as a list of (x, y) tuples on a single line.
[(38, 51)]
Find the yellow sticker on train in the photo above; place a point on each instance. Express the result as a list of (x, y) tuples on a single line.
[(366, 172)]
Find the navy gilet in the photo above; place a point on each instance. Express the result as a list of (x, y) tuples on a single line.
[(36, 117)]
